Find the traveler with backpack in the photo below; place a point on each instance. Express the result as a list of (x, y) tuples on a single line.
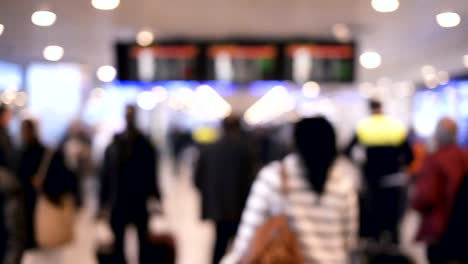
[(438, 197), (302, 209)]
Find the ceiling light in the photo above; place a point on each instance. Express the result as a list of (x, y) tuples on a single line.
[(105, 4), (465, 61), (428, 70), (342, 32), (385, 6), (431, 84), (146, 100), (53, 53), (273, 104), (43, 18), (160, 94), (209, 105), (21, 99), (443, 77), (106, 73), (2, 28), (370, 60), (448, 19), (311, 90), (145, 38)]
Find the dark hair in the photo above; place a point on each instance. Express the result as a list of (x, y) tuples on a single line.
[(316, 145), (31, 127), (375, 105), (232, 124)]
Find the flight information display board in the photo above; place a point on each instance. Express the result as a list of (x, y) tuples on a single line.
[(158, 62), (241, 63), (319, 62), (238, 61)]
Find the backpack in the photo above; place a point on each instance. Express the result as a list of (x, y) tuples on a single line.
[(274, 242)]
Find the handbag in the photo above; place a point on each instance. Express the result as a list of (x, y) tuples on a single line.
[(53, 223), (274, 241)]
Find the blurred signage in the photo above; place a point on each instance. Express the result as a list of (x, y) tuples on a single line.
[(319, 62), (237, 61), (242, 63), (158, 63)]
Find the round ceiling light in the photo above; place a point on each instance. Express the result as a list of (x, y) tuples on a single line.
[(43, 18), (145, 37), (370, 60), (311, 90), (105, 4), (146, 100), (342, 32), (448, 19), (53, 53), (106, 73), (443, 77), (2, 28), (385, 6)]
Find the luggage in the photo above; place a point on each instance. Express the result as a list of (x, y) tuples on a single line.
[(274, 242), (161, 242), (162, 248)]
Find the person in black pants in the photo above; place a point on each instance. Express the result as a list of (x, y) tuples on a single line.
[(224, 173), (128, 181)]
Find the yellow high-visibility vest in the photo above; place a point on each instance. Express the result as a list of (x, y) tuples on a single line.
[(379, 130)]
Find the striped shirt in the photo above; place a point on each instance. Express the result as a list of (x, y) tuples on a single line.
[(326, 225)]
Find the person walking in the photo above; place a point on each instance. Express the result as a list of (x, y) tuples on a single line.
[(31, 155), (387, 154), (128, 180), (224, 174), (320, 202), (435, 191), (12, 218)]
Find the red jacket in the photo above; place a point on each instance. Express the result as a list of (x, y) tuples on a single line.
[(436, 187)]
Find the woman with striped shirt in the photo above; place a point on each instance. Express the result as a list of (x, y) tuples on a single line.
[(321, 202)]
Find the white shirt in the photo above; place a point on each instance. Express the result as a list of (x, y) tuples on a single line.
[(326, 225)]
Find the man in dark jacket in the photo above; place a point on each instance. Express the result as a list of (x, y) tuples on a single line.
[(224, 174), (387, 153), (436, 189), (12, 218), (128, 181)]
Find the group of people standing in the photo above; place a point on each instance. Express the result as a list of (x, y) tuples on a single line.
[(331, 216), (29, 173), (311, 185)]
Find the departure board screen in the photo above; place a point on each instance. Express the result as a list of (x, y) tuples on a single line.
[(242, 63), (319, 62), (159, 62)]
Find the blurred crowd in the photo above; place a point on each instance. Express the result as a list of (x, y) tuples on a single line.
[(282, 194)]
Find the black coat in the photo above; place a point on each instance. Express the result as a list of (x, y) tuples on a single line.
[(224, 174), (29, 162), (128, 174), (12, 230)]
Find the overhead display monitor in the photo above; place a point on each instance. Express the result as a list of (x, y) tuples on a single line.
[(158, 62), (242, 63), (319, 62)]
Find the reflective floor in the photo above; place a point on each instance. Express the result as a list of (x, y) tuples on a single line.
[(181, 217)]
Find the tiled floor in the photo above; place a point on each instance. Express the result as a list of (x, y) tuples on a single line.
[(181, 208)]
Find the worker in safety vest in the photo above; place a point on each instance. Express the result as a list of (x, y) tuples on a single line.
[(387, 153)]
